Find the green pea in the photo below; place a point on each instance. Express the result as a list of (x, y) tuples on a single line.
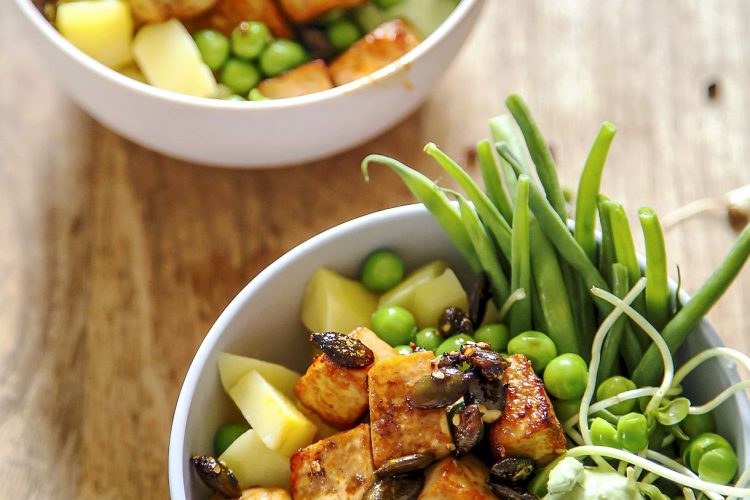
[(700, 445), (249, 39), (255, 95), (282, 55), (632, 432), (538, 347), (566, 376), (612, 387), (566, 409), (695, 425), (382, 270), (603, 433), (453, 343), (226, 435), (213, 47), (394, 324), (429, 338), (342, 34), (234, 97), (240, 76), (403, 350), (718, 466), (496, 335)]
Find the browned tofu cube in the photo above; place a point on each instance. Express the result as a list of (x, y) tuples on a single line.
[(157, 11), (227, 14), (306, 79), (336, 393), (385, 44), (397, 428), (528, 427), (265, 494), (301, 11), (333, 468), (457, 479)]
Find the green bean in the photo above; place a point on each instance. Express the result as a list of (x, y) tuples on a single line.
[(657, 284), (504, 129), (540, 154), (615, 343), (492, 184), (588, 190), (489, 213), (678, 328), (485, 250), (558, 232), (607, 245), (436, 202), (520, 277), (582, 306)]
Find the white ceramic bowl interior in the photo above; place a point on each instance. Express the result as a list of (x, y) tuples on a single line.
[(257, 134), (263, 322)]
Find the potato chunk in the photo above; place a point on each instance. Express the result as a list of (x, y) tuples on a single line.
[(385, 44), (233, 367), (254, 464), (457, 479), (403, 293), (333, 468), (433, 297), (301, 11), (399, 429), (528, 427), (333, 303), (227, 14), (306, 79)]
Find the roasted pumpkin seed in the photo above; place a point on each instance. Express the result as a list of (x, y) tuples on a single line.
[(405, 464), (216, 475), (343, 349), (396, 488), (512, 470)]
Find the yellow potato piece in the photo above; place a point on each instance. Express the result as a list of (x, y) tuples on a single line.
[(254, 464), (170, 60), (232, 368), (334, 303), (431, 298), (279, 424), (103, 29), (403, 294)]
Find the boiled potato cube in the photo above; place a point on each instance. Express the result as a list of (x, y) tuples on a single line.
[(232, 368), (103, 29), (397, 428), (457, 479), (431, 298), (334, 303), (302, 80), (302, 11), (528, 426), (170, 60), (280, 425), (254, 464), (339, 467), (403, 294), (385, 44), (227, 14)]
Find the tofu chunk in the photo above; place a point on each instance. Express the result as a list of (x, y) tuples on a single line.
[(338, 394), (385, 44), (306, 79), (333, 468), (265, 494), (528, 427), (398, 428), (301, 11), (457, 479), (227, 14)]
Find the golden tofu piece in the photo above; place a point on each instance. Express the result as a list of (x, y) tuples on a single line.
[(397, 428), (301, 11), (336, 393), (457, 479), (158, 11), (528, 427), (385, 44), (306, 79), (227, 14), (334, 468), (265, 494)]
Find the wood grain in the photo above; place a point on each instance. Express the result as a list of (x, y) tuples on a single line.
[(114, 261)]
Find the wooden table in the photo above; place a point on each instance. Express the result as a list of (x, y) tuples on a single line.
[(114, 261)]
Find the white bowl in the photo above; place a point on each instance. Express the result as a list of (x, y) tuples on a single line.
[(263, 322), (257, 134)]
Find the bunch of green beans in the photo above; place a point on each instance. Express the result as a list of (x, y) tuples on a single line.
[(517, 232)]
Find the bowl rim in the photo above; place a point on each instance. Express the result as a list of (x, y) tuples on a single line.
[(197, 365), (459, 13)]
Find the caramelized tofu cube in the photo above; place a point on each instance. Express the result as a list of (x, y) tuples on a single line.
[(301, 11), (457, 479), (336, 393), (385, 44), (227, 14), (528, 426), (265, 494), (397, 428), (306, 79), (333, 468)]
